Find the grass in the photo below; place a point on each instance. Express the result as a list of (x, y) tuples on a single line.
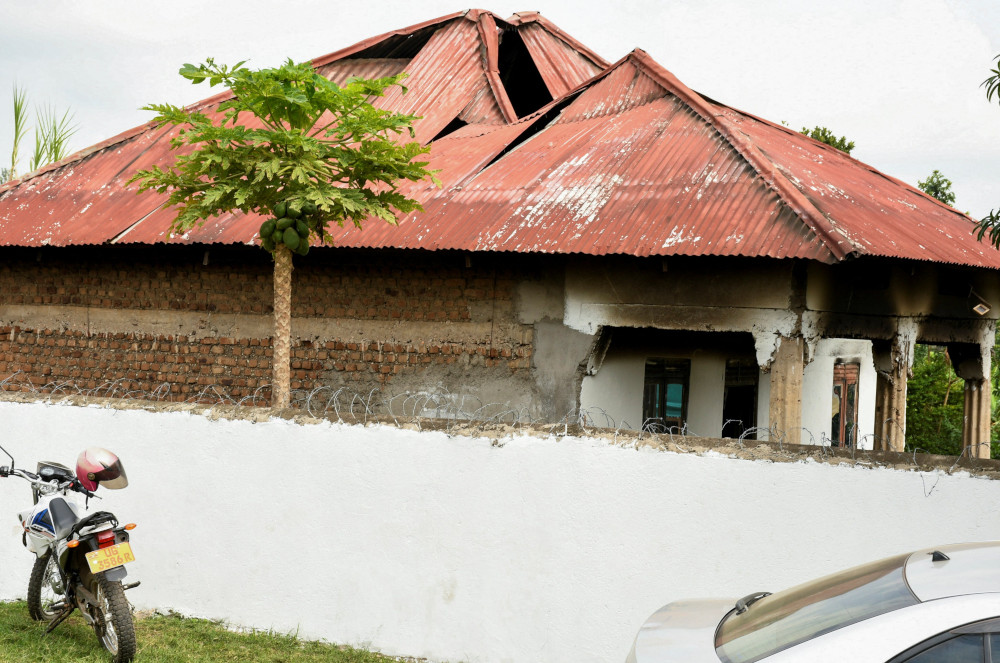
[(162, 639)]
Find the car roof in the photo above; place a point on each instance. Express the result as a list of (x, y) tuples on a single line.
[(965, 568)]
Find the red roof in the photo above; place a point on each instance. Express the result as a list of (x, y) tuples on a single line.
[(624, 159)]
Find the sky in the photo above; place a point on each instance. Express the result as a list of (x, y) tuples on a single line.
[(901, 78)]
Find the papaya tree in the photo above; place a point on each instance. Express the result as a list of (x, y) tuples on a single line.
[(291, 145)]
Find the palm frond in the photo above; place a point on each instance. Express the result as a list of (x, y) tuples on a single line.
[(20, 127)]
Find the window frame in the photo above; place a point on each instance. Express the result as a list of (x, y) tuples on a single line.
[(682, 364), (983, 627)]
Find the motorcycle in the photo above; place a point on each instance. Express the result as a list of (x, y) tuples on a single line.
[(79, 555)]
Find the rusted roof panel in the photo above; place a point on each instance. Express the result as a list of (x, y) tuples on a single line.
[(80, 201), (562, 67), (341, 70), (437, 93), (633, 162), (879, 214), (654, 179), (527, 18)]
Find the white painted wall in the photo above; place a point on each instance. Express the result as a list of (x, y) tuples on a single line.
[(817, 389), (454, 549), (615, 392)]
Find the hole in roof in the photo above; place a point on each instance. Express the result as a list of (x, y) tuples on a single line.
[(398, 46), (525, 87), (452, 127), (537, 125)]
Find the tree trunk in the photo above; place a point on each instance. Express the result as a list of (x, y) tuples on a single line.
[(280, 362)]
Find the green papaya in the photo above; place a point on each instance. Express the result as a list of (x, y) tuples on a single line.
[(267, 228), (285, 223), (276, 236), (303, 248), (267, 243), (293, 212), (309, 208), (280, 210), (291, 238), (302, 228)]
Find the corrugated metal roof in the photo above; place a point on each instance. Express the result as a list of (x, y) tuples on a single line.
[(629, 161), (561, 66)]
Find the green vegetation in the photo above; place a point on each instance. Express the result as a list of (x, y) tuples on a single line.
[(310, 144), (52, 134), (938, 186), (934, 402), (990, 224), (824, 135), (935, 399), (163, 639)]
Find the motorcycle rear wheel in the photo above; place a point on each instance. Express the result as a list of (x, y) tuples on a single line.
[(41, 592), (113, 621)]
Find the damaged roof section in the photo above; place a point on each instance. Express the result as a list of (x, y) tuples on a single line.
[(544, 147)]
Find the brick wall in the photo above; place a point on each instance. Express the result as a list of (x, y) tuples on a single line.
[(382, 290)]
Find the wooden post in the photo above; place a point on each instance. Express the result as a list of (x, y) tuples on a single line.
[(785, 407)]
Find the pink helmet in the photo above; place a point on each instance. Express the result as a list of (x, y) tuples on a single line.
[(99, 466)]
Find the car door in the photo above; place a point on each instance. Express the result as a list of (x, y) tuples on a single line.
[(896, 635), (978, 642)]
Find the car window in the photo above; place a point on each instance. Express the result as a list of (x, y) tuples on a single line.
[(960, 649), (795, 615)]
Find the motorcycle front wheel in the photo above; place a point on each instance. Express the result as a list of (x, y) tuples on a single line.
[(113, 621), (45, 589)]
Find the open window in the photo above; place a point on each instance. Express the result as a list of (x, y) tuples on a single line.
[(665, 395), (844, 416), (739, 406)]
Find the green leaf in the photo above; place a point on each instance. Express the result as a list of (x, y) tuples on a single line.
[(311, 140)]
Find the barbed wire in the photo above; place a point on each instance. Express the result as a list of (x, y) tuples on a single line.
[(457, 413)]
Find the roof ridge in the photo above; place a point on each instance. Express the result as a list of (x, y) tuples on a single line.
[(523, 18), (832, 237), (371, 41)]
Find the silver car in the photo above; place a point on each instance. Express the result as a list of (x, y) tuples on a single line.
[(939, 605)]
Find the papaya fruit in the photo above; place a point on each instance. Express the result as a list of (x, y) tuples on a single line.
[(291, 238), (293, 212), (267, 243), (267, 228), (303, 248), (309, 208), (302, 228), (285, 223), (276, 236), (280, 209)]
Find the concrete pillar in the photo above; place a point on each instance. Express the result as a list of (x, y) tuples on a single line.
[(883, 392), (785, 407), (971, 362), (976, 422), (893, 361)]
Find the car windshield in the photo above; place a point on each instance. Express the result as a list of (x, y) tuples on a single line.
[(798, 614)]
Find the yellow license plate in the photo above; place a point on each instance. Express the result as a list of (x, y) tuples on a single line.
[(110, 557)]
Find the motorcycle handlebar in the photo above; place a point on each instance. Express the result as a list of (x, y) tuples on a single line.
[(73, 484)]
